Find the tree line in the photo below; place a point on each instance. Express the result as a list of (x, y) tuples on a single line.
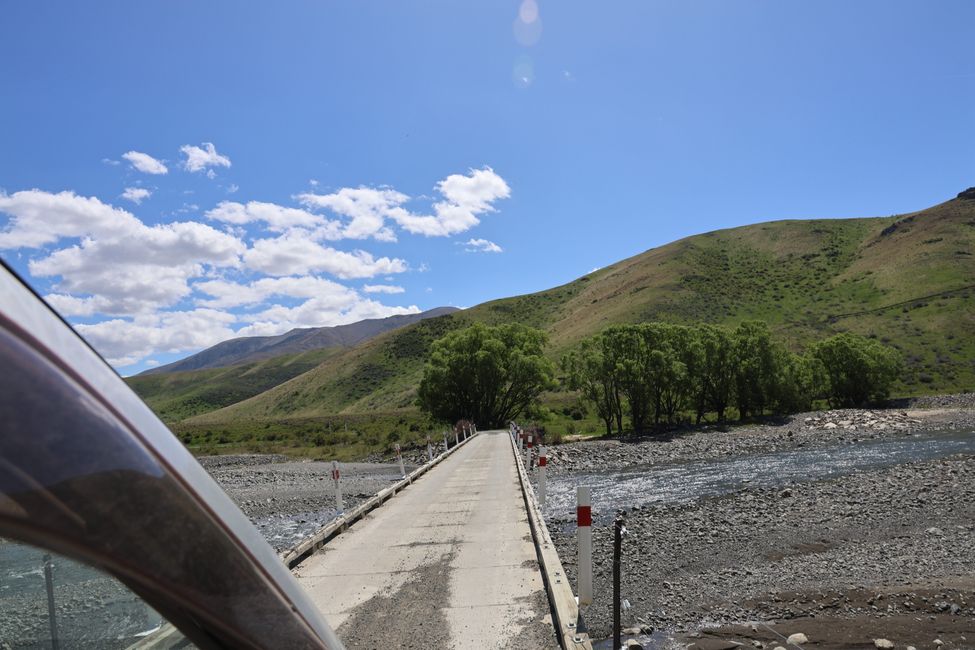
[(654, 373)]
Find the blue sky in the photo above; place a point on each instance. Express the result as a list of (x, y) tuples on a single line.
[(365, 148)]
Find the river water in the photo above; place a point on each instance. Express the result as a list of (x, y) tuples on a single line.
[(682, 482)]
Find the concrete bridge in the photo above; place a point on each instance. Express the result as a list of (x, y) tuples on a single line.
[(459, 558)]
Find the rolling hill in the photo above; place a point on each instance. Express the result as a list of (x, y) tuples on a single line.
[(234, 370), (247, 349), (908, 280)]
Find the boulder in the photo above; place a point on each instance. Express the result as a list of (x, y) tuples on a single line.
[(797, 639), (884, 644)]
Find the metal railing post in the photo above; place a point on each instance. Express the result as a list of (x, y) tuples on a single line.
[(337, 479), (51, 613)]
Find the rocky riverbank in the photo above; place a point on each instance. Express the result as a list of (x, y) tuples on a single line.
[(886, 554), (289, 500)]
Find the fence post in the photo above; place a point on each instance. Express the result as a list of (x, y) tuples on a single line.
[(584, 537), (399, 457), (445, 442), (51, 613), (429, 449), (336, 478), (542, 462)]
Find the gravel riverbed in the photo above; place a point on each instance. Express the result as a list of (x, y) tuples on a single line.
[(886, 553), (288, 499)]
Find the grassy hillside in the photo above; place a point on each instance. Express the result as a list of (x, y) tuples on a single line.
[(178, 395), (908, 280)]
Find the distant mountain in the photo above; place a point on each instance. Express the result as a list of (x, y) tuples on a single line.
[(248, 349)]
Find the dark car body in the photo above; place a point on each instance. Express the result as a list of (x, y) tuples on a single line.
[(89, 472)]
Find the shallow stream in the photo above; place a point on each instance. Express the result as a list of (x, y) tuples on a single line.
[(682, 482)]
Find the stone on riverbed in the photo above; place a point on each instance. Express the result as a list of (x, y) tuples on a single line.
[(797, 639)]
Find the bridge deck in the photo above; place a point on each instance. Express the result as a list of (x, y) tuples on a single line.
[(447, 563)]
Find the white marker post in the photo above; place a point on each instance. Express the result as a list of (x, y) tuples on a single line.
[(445, 442), (399, 457), (336, 478), (528, 451), (429, 449), (542, 462), (584, 536), (456, 438), (521, 439)]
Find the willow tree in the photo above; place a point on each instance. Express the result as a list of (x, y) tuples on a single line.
[(858, 370), (489, 375), (590, 371)]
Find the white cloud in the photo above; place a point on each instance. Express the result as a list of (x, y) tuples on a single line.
[(148, 289), (277, 217), (235, 294), (145, 163), (464, 198), (366, 208), (126, 341), (319, 312), (152, 363), (40, 218), (232, 188), (120, 265), (144, 269), (383, 288), (109, 161), (480, 246), (199, 159), (294, 253), (136, 194)]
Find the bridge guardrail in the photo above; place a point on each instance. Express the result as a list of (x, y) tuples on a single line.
[(565, 609), (306, 547)]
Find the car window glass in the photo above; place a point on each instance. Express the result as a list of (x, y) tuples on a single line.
[(49, 601)]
